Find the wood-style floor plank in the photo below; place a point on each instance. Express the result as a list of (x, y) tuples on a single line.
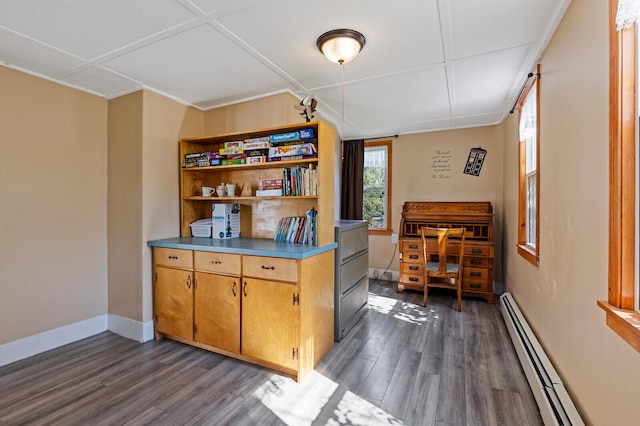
[(402, 363)]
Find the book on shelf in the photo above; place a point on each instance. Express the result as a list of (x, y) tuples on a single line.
[(298, 229), (268, 192), (300, 180)]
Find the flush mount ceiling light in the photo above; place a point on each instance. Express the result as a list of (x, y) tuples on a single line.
[(341, 46)]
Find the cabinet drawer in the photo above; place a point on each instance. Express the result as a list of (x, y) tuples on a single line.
[(476, 285), (173, 258), (475, 273), (476, 262), (222, 263), (413, 280), (478, 251), (412, 268), (353, 241), (272, 268), (353, 271)]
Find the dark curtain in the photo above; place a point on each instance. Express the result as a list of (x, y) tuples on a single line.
[(352, 180)]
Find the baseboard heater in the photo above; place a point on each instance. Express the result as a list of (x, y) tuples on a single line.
[(556, 407)]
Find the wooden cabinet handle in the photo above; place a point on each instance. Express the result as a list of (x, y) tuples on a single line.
[(476, 250), (189, 281), (413, 246), (413, 256), (476, 261), (173, 257), (475, 286), (413, 268), (244, 289), (414, 279), (268, 267), (233, 288), (476, 274), (216, 262)]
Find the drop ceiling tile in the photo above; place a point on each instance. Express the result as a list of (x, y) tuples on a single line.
[(411, 97), (197, 66), (479, 83), (26, 54), (479, 27), (91, 28), (101, 81), (399, 36)]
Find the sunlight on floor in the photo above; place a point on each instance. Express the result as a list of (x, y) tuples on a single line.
[(409, 312), (301, 404), (381, 304)]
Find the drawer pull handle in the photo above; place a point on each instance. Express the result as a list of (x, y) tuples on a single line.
[(216, 262), (413, 268), (476, 261), (189, 281), (233, 288), (414, 279), (173, 257), (475, 286), (476, 274), (268, 267), (244, 289), (413, 256), (476, 250), (413, 246)]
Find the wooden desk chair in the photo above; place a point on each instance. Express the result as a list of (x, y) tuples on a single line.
[(443, 273)]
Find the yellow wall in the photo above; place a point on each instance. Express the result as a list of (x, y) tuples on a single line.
[(53, 210), (144, 129), (412, 180), (559, 297)]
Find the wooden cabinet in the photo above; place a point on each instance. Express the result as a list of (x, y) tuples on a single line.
[(259, 215), (251, 298), (475, 217)]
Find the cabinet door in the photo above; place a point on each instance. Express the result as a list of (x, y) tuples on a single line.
[(269, 321), (173, 302), (217, 311)]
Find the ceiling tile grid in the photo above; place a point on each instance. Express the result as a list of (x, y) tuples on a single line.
[(427, 64)]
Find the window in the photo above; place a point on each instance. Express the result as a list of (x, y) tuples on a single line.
[(529, 179), (622, 295), (376, 203)]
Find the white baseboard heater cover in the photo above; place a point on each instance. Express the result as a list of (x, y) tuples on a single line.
[(556, 407)]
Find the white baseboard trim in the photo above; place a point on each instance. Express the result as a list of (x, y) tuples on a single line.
[(131, 329), (51, 339)]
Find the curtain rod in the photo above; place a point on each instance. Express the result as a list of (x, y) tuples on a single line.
[(521, 90), (381, 137)]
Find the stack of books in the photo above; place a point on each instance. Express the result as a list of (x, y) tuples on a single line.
[(298, 229), (196, 159), (270, 187)]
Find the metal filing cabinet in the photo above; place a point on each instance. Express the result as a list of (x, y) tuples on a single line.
[(351, 270)]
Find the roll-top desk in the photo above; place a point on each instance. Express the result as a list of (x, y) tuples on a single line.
[(475, 217)]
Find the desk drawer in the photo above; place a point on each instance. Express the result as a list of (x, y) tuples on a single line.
[(476, 262), (219, 263), (476, 285), (173, 258), (412, 280), (475, 273), (412, 268), (412, 246), (478, 250), (412, 257)]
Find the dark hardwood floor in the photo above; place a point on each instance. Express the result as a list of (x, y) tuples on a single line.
[(401, 364)]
